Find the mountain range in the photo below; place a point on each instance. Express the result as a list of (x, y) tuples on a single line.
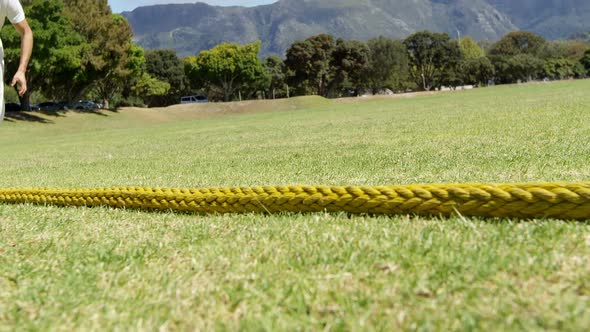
[(190, 28)]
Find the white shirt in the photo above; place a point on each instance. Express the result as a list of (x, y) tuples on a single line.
[(13, 10)]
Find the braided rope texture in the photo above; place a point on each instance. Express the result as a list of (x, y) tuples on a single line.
[(529, 200)]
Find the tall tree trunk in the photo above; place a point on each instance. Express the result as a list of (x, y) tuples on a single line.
[(227, 91)]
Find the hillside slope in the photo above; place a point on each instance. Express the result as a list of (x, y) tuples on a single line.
[(550, 18), (189, 28)]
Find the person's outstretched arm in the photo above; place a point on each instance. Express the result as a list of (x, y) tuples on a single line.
[(25, 55)]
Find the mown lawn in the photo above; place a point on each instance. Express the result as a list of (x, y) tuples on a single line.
[(96, 269)]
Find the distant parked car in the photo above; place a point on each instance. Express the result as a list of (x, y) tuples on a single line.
[(12, 107), (49, 106), (63, 105), (193, 99), (84, 105), (34, 107)]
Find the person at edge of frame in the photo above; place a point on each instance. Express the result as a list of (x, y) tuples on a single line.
[(13, 10)]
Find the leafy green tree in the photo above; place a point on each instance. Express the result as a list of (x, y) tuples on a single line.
[(256, 87), (150, 87), (518, 68), (137, 65), (57, 59), (516, 57), (433, 58), (451, 75), (274, 68), (136, 87), (518, 42), (563, 68), (227, 67), (526, 67), (388, 65), (475, 68), (477, 71), (308, 64), (585, 61), (568, 49), (470, 49), (80, 46), (349, 63), (120, 66), (501, 65), (106, 47), (165, 66)]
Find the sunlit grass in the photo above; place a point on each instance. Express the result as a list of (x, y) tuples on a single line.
[(76, 268)]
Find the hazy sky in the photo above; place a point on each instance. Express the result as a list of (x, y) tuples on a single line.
[(122, 5)]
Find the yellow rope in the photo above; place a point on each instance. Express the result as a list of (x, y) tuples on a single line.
[(532, 200)]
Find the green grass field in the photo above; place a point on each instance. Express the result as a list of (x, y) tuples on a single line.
[(104, 269)]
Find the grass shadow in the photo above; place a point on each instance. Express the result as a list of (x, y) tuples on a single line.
[(32, 117), (57, 114), (93, 111), (25, 116)]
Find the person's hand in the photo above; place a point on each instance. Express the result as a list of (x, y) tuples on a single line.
[(20, 81)]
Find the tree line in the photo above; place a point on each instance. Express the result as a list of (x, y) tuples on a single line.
[(83, 50), (325, 66)]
